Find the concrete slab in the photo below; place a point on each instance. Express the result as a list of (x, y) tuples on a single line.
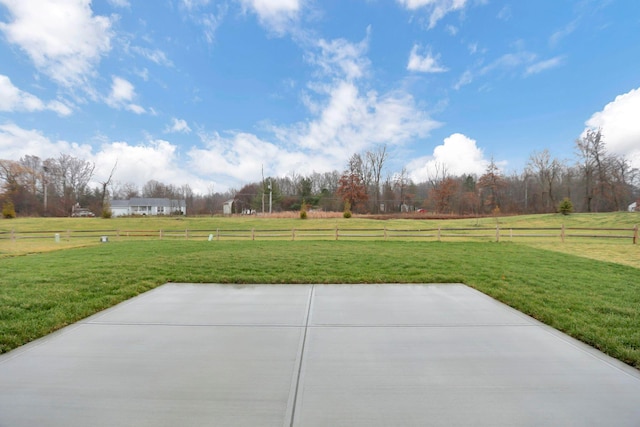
[(304, 355)]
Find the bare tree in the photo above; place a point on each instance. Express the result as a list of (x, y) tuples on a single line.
[(124, 191), (70, 177), (547, 172), (103, 195), (376, 160), (401, 183), (591, 154), (491, 184)]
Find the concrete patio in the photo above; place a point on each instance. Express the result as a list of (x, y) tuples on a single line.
[(314, 355)]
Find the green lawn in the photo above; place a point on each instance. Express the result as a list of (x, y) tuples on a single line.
[(589, 288), (594, 301)]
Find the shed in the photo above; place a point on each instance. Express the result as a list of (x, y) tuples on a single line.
[(227, 207)]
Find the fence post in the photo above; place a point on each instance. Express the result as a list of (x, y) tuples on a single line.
[(385, 232), (68, 235), (13, 235), (217, 234), (497, 232), (439, 233), (635, 234), (253, 234), (336, 233), (562, 234), (160, 234), (293, 234), (186, 234)]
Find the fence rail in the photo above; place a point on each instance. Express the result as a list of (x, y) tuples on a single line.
[(440, 233)]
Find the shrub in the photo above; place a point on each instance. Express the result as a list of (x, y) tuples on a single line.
[(106, 213), (565, 207), (8, 210), (347, 210)]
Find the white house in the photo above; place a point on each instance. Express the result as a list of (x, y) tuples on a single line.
[(148, 206), (633, 207)]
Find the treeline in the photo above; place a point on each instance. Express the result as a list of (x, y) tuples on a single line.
[(596, 181)]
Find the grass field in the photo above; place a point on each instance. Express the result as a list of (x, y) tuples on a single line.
[(590, 289)]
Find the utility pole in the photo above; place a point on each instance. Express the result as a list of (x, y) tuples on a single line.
[(270, 195), (262, 188), (44, 182)]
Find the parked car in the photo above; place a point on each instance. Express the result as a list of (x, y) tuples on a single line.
[(82, 212)]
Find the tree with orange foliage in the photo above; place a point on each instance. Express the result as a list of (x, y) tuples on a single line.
[(352, 190)]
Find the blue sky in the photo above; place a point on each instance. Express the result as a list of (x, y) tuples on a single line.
[(210, 92)]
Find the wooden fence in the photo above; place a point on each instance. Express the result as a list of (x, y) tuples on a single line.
[(495, 234)]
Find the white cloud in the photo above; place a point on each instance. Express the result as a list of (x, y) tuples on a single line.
[(424, 64), (349, 122), (16, 142), (276, 15), (63, 38), (194, 4), (153, 55), (510, 61), (13, 99), (458, 155), (505, 13), (122, 94), (208, 21), (346, 123), (178, 126), (620, 126), (465, 79), (341, 58), (155, 159), (120, 3), (545, 65), (438, 8), (240, 157), (556, 37)]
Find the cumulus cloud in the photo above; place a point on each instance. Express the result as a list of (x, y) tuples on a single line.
[(122, 95), (239, 158), (438, 9), (458, 155), (155, 159), (12, 99), (426, 63), (16, 142), (620, 126), (276, 15), (63, 38)]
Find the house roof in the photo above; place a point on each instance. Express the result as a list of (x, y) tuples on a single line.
[(147, 201)]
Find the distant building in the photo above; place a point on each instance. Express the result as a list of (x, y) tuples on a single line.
[(148, 206), (633, 207), (227, 207)]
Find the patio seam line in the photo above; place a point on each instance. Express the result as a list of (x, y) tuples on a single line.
[(304, 342)]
